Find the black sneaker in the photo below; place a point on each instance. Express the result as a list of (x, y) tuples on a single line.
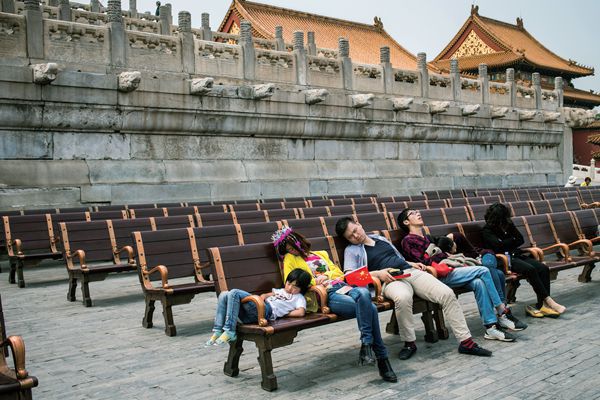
[(474, 351), (519, 326), (407, 352)]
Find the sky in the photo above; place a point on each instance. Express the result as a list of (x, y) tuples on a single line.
[(570, 29)]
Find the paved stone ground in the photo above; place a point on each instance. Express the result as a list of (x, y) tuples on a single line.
[(104, 353)]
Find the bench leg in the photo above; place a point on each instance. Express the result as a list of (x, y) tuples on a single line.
[(392, 326), (85, 291), (12, 272), (170, 329), (440, 323), (72, 288), (20, 278), (431, 335), (269, 380), (148, 313), (586, 274), (231, 367), (511, 290)]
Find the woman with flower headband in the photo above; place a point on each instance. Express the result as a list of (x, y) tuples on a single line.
[(343, 300)]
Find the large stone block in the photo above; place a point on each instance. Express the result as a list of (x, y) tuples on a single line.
[(79, 95), (525, 180), (58, 116), (234, 190), (396, 168), (490, 152), (478, 181), (91, 146), (301, 149), (346, 186), (540, 152), (136, 193), (408, 151), (446, 151), (39, 198), (96, 194), (121, 172), (494, 167), (355, 169), (514, 152), (284, 189), (204, 171), (355, 150), (442, 167), (546, 166), (25, 144), (318, 188), (86, 80), (38, 173), (12, 73), (286, 171)]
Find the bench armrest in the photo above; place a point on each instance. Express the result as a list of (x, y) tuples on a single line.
[(129, 251), (322, 298), (535, 252), (80, 255), (563, 248), (17, 347), (164, 274), (198, 272), (503, 261), (260, 308), (584, 245), (18, 247)]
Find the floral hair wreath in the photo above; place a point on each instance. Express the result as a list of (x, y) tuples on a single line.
[(281, 236)]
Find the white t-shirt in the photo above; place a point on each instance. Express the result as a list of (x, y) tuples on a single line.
[(282, 303)]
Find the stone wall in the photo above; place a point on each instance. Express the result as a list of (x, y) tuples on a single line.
[(105, 113)]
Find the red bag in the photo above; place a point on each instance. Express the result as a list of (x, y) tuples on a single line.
[(441, 269)]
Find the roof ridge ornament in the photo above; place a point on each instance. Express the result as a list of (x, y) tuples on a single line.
[(520, 23), (377, 22), (474, 10)]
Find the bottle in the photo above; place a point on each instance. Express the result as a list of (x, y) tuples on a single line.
[(507, 254)]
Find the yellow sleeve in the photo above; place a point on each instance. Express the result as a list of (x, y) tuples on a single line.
[(334, 271), (291, 262)]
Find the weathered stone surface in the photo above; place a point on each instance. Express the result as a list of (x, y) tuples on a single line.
[(234, 190), (470, 109), (301, 149), (257, 92), (277, 189), (91, 146), (318, 187), (445, 151), (527, 115), (43, 173), (397, 168), (86, 80), (342, 169), (314, 96), (282, 171), (136, 193), (39, 198), (201, 86), (43, 74), (436, 107), (362, 100), (550, 116), (441, 168), (96, 194), (25, 145), (205, 171), (129, 81), (123, 172), (498, 112), (490, 152), (354, 150), (401, 103)]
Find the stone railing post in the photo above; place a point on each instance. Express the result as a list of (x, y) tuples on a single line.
[(592, 169), (35, 29), (247, 49), (133, 9), (300, 54), (386, 66), (344, 57), (484, 82), (64, 10), (165, 20), (455, 80), (423, 74), (184, 26), (117, 33), (558, 88), (311, 45), (206, 31), (537, 88), (95, 6), (52, 3), (512, 86), (279, 43), (7, 6)]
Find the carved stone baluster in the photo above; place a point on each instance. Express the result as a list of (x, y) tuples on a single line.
[(344, 57), (247, 45), (484, 81), (558, 88), (35, 29), (279, 43), (537, 88), (423, 74), (455, 80), (206, 31), (184, 26), (64, 10), (312, 45), (300, 54), (386, 66), (512, 86), (133, 9), (165, 20), (117, 33)]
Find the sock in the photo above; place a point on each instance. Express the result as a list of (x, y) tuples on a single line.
[(488, 326), (468, 343), (412, 345)]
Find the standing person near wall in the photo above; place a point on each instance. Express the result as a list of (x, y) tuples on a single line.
[(571, 181)]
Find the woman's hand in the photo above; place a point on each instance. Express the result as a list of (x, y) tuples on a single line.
[(320, 279), (420, 266)]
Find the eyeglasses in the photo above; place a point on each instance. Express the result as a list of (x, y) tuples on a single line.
[(412, 212)]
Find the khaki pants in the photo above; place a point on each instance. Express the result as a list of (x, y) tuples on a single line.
[(429, 288)]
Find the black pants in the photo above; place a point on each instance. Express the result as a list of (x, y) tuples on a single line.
[(536, 273)]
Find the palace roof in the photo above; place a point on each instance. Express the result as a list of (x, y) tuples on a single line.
[(365, 40), (500, 44)]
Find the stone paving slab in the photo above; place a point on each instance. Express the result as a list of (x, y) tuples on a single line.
[(103, 352)]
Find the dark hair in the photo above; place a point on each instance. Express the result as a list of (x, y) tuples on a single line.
[(498, 215), (445, 244), (587, 179), (301, 278), (297, 241), (403, 216), (341, 225)]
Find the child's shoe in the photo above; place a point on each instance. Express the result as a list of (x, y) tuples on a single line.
[(226, 337), (213, 338)]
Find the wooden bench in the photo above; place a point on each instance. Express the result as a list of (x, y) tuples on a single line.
[(255, 269), (15, 383)]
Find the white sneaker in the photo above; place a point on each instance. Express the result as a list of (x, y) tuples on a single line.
[(494, 333), (506, 323)]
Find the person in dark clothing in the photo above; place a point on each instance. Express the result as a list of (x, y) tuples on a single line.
[(501, 235)]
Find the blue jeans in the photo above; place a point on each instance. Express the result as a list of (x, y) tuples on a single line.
[(499, 282), (357, 303), (229, 309), (479, 280)]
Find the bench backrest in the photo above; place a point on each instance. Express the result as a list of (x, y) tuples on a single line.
[(434, 216), (478, 211), (491, 199), (456, 214), (522, 195), (217, 218), (314, 212), (565, 227), (458, 202), (36, 233), (370, 222), (572, 203), (540, 230), (286, 213), (587, 223), (473, 232), (541, 206), (253, 268), (259, 232), (90, 236), (441, 230), (279, 205), (509, 195), (557, 205), (245, 207), (188, 210), (103, 215), (122, 229), (244, 217), (148, 212), (320, 203), (209, 208), (519, 208), (309, 227), (178, 221)]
